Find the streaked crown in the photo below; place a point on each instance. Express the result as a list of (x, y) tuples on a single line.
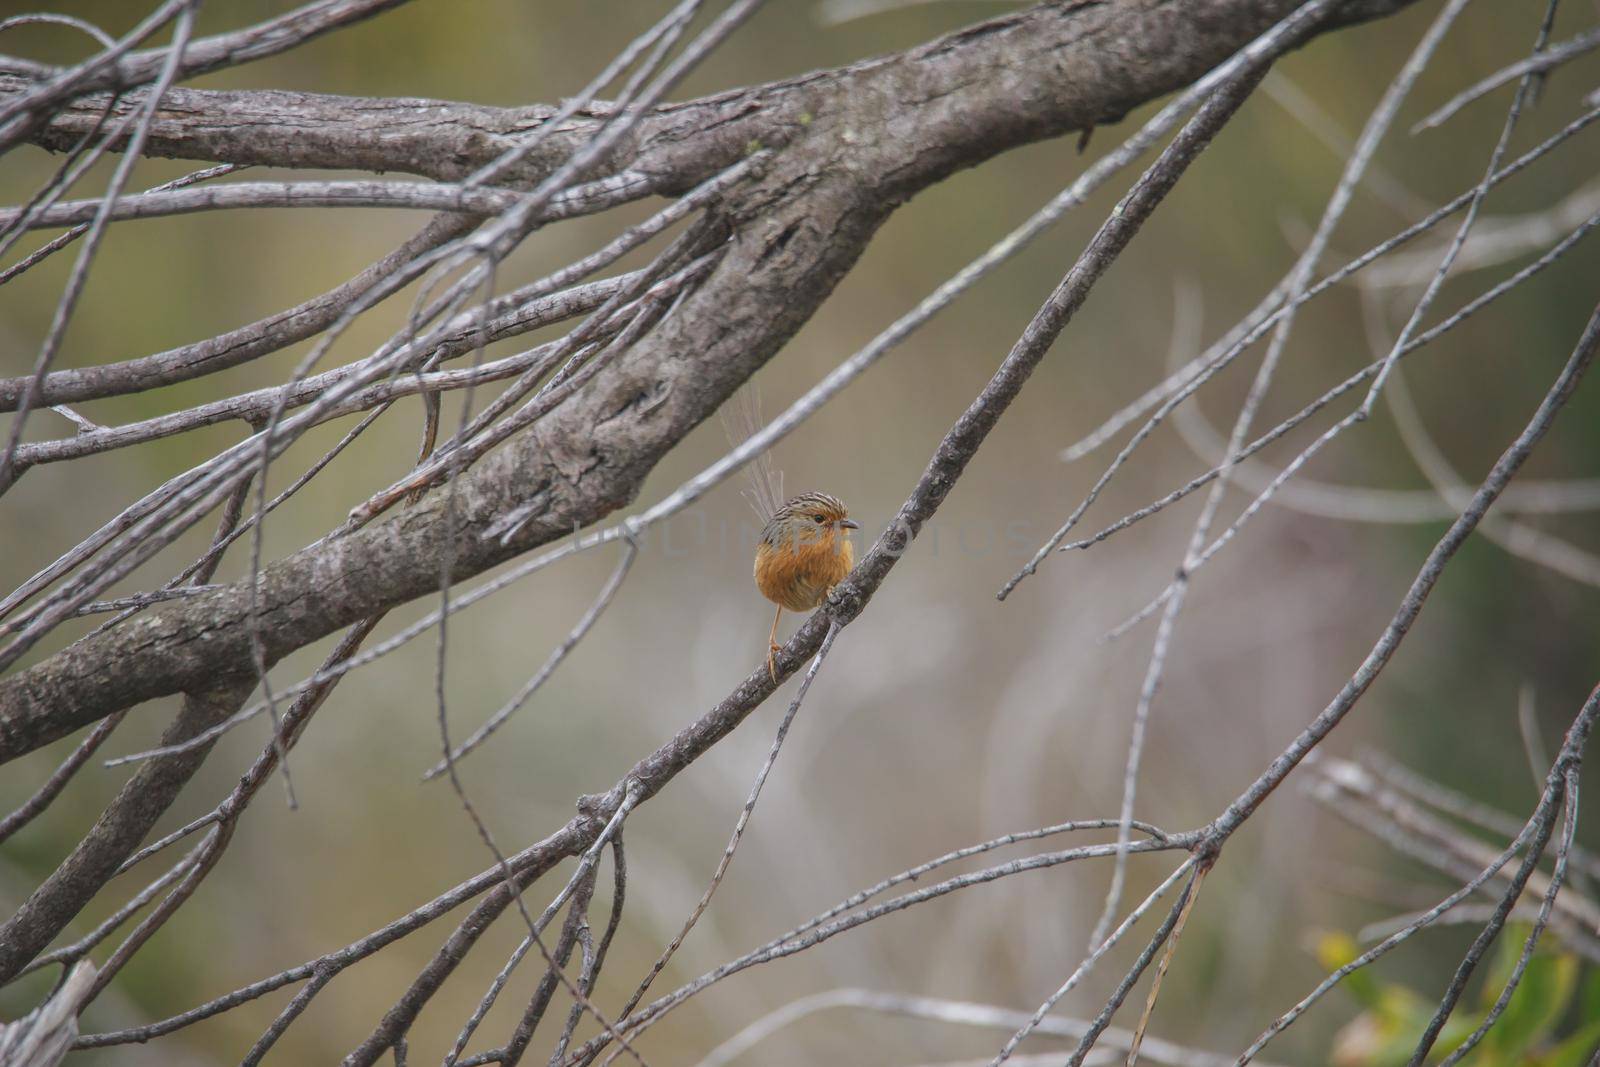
[(808, 512), (818, 507)]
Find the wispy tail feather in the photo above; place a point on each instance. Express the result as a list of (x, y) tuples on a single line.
[(741, 418)]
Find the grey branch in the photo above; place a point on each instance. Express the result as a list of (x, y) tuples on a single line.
[(412, 196), (1538, 63)]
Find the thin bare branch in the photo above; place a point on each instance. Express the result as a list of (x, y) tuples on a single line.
[(1554, 496), (412, 196), (1538, 63), (1221, 354), (1102, 1020)]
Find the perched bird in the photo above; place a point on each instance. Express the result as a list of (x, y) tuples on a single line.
[(805, 551), (805, 545)]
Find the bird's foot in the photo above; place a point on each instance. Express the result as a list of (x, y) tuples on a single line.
[(772, 666)]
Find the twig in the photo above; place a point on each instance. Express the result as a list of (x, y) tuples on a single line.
[(80, 948), (52, 787), (1098, 1024), (144, 600), (1166, 961), (10, 389), (411, 196), (576, 922), (234, 347), (1481, 943), (1519, 539), (592, 962), (1538, 63)]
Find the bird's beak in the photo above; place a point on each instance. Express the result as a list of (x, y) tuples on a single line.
[(850, 524)]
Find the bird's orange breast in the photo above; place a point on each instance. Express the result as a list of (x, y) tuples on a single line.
[(798, 575)]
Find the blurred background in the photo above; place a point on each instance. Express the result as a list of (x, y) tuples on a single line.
[(942, 717)]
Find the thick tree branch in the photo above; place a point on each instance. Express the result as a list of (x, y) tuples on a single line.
[(1066, 66)]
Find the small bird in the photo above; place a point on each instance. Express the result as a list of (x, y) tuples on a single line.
[(804, 552)]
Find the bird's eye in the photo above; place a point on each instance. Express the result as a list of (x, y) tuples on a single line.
[(818, 518)]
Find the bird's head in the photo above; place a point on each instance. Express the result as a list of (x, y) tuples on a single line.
[(809, 518)]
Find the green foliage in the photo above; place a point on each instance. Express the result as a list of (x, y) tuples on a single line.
[(1551, 1020)]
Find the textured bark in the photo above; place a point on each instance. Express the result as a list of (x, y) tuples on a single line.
[(859, 141), (1047, 70)]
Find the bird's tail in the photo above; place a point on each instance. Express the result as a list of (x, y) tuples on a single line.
[(741, 418)]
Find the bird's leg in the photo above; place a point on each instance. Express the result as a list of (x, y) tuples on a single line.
[(773, 646)]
